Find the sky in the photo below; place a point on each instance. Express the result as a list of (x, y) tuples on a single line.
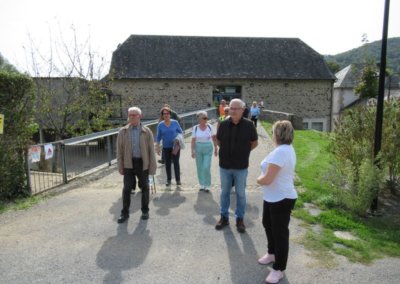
[(327, 26)]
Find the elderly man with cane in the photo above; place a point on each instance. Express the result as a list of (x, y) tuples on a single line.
[(136, 158)]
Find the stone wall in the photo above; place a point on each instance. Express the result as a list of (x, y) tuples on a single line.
[(304, 98), (272, 116)]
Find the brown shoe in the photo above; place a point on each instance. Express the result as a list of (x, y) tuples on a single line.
[(222, 223), (240, 225)]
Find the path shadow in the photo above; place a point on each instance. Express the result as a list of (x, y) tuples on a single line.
[(124, 251), (207, 206), (243, 258), (167, 201), (136, 205), (251, 214)]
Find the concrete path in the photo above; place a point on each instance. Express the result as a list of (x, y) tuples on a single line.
[(73, 237)]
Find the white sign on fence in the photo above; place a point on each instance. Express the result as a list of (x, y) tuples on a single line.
[(48, 151)]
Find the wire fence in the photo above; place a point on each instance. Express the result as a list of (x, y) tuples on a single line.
[(55, 163)]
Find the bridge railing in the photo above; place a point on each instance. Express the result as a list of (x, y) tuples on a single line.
[(54, 163)]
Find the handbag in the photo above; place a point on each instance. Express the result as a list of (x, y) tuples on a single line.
[(176, 147)]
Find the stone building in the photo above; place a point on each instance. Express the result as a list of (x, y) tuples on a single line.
[(191, 73)]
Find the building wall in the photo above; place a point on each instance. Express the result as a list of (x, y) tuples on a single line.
[(342, 97), (307, 99)]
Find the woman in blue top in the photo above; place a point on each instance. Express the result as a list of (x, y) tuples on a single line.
[(254, 112), (167, 131)]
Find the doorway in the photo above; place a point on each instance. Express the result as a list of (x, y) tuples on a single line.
[(226, 93)]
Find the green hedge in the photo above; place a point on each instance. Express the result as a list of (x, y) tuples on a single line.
[(16, 103)]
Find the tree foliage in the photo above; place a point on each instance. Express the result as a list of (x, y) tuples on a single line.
[(4, 65), (333, 66), (70, 106), (368, 82), (391, 142), (16, 97), (70, 100), (359, 175), (373, 50)]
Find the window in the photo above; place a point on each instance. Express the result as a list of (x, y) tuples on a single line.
[(317, 126)]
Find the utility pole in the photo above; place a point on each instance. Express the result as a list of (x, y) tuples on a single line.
[(381, 94)]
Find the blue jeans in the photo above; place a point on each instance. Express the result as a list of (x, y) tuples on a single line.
[(204, 153), (227, 177)]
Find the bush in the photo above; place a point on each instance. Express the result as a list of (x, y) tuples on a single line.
[(357, 197), (355, 174), (390, 154), (16, 100), (352, 145)]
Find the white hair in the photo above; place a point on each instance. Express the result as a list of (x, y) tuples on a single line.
[(135, 109), (201, 114), (242, 104)]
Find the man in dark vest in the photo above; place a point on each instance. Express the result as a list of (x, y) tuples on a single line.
[(236, 137)]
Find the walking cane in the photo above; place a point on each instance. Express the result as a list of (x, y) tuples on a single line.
[(154, 184)]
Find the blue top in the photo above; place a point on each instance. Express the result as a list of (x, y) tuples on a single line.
[(168, 134), (255, 111)]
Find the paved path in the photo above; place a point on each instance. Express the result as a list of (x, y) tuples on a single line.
[(73, 237)]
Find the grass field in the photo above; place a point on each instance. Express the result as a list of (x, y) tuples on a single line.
[(375, 237)]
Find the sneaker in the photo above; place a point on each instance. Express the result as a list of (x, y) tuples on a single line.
[(145, 216), (122, 219), (240, 225), (178, 183), (168, 183), (201, 188), (266, 259), (206, 189), (222, 223), (274, 276)]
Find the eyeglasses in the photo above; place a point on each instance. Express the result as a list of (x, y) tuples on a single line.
[(166, 113), (205, 118)]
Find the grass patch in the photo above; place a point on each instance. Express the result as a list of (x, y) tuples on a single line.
[(22, 203), (376, 237), (319, 246)]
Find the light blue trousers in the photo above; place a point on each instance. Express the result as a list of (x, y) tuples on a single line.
[(204, 153)]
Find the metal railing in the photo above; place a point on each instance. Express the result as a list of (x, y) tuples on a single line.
[(83, 155)]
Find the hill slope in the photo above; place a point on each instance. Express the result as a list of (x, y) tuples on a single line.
[(370, 50)]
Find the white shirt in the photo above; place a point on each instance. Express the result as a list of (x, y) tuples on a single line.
[(203, 136), (283, 185)]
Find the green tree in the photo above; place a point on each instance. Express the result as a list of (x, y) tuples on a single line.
[(368, 82), (390, 154), (357, 178), (16, 97), (4, 65), (333, 66), (70, 100)]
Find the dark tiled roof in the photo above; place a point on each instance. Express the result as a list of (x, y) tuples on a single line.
[(185, 57)]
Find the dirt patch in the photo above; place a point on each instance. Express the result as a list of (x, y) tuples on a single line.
[(389, 207)]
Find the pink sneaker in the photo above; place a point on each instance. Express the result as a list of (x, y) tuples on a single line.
[(266, 259), (274, 276)]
